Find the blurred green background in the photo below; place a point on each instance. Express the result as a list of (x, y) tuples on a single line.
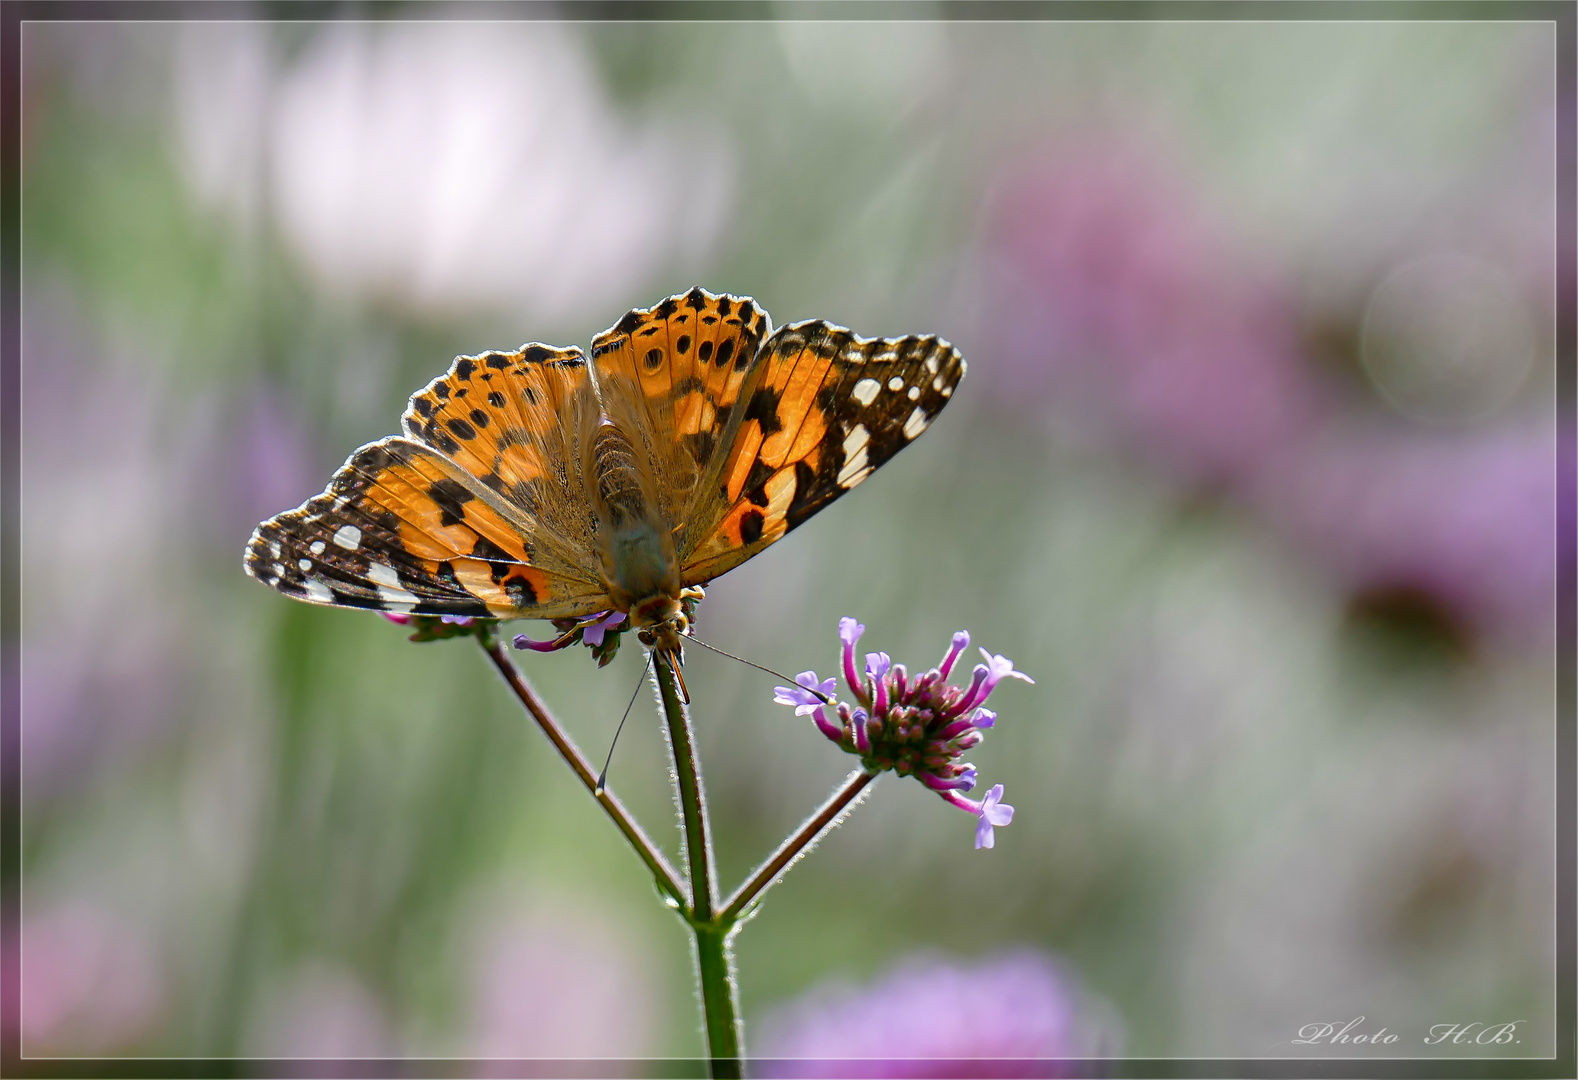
[(1253, 471)]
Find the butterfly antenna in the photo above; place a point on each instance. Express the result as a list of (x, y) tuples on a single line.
[(824, 698), (602, 777)]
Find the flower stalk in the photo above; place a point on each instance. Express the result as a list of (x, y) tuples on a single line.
[(804, 838), (714, 958), (667, 879)]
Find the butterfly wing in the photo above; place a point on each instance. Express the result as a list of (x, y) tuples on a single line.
[(401, 528), (819, 409), (475, 512), (670, 376), (518, 423)]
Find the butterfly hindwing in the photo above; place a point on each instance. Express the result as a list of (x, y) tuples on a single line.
[(820, 409), (402, 529)]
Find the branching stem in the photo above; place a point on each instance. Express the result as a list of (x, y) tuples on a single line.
[(667, 878), (802, 841)]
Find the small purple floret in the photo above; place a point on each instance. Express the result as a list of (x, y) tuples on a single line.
[(594, 634), (994, 812), (524, 642), (961, 641), (802, 696), (849, 632), (397, 617)]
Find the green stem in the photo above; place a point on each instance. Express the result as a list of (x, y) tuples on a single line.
[(719, 1003), (802, 841), (714, 964), (667, 879)]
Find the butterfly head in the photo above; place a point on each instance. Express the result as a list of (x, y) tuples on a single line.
[(663, 622), (660, 623)]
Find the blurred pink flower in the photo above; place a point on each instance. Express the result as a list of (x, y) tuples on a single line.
[(1469, 519), (1119, 304), (555, 980), (90, 981), (1114, 290), (1017, 1014), (321, 1011), (449, 166)]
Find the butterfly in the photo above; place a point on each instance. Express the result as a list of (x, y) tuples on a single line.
[(538, 484)]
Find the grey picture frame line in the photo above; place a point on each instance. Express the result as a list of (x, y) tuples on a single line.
[(1562, 15)]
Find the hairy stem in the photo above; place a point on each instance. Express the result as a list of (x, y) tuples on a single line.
[(801, 842), (667, 878), (714, 963)]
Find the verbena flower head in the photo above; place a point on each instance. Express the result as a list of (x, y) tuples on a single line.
[(933, 1017), (919, 726)]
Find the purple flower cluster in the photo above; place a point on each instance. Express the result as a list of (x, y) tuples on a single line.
[(919, 726)]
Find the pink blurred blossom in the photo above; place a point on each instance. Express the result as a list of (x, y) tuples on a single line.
[(322, 1010), (1123, 306), (555, 979), (91, 981), (1016, 1014), (448, 166), (1116, 289), (1469, 519)]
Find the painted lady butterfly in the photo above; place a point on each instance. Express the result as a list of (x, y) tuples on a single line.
[(535, 485)]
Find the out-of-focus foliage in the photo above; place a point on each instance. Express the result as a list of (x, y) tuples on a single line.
[(1253, 472)]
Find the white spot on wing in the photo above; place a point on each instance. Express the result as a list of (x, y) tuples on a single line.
[(317, 547), (855, 467), (305, 564), (916, 423), (931, 363), (947, 391), (914, 393), (348, 537), (317, 590), (273, 548), (866, 391), (390, 590), (936, 384), (895, 383)]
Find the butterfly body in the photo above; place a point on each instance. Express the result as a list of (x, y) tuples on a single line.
[(536, 484)]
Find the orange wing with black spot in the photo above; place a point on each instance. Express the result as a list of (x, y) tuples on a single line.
[(478, 512), (820, 408), (672, 375), (518, 422)]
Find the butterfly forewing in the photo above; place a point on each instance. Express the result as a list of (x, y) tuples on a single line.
[(820, 409), (671, 375), (517, 422)]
